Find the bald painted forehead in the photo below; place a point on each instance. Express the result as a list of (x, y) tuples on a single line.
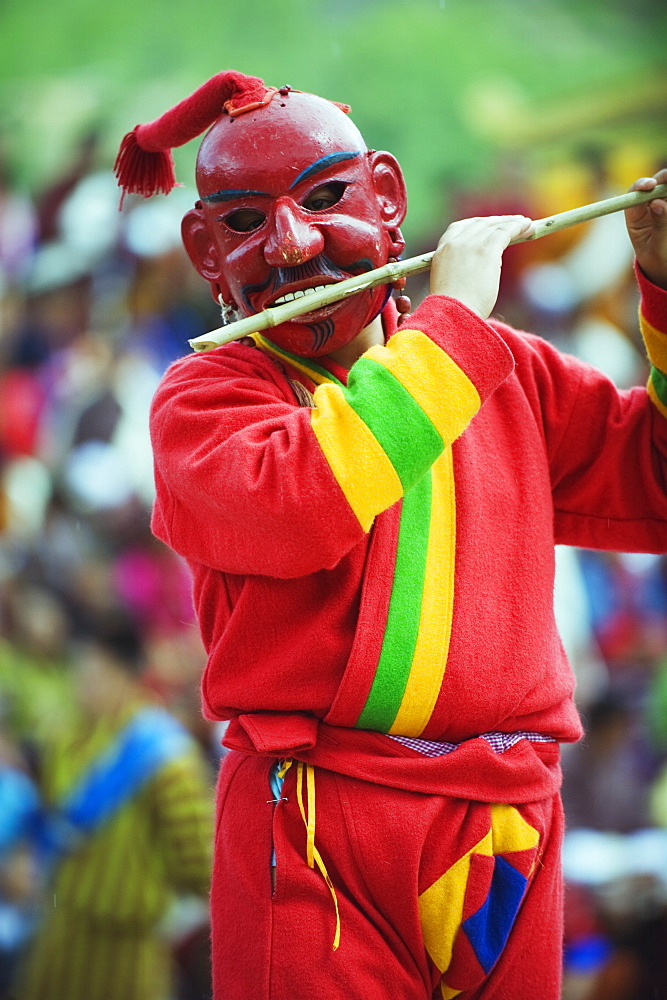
[(293, 134)]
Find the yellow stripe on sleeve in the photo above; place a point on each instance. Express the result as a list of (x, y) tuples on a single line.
[(435, 625), (433, 379), (360, 465), (656, 345)]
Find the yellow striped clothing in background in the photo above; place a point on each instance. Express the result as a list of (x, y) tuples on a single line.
[(100, 937)]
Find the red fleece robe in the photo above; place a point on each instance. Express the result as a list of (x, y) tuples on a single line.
[(381, 561), (296, 590)]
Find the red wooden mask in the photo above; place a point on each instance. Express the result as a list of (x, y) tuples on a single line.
[(291, 199)]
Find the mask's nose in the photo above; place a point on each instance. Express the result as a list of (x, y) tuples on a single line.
[(292, 239)]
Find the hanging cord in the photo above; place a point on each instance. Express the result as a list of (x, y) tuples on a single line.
[(313, 856)]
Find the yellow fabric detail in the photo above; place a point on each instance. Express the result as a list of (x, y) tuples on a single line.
[(430, 657), (656, 344), (284, 768), (510, 830), (370, 483), (313, 855), (308, 819), (485, 846), (655, 399), (441, 906), (448, 992), (447, 395), (293, 362)]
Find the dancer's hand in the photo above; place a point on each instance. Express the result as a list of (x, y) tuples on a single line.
[(467, 262)]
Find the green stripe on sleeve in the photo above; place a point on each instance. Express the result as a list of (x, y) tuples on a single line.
[(659, 382), (400, 638), (394, 418)]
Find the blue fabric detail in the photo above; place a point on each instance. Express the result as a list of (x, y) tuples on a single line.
[(19, 807), (489, 928), (276, 781), (150, 740)]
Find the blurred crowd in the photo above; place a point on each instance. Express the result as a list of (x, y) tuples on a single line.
[(98, 647), (96, 623)]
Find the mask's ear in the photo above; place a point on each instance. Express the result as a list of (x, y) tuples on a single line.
[(202, 251), (390, 191)]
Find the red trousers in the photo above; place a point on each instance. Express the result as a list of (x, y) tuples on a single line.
[(437, 896)]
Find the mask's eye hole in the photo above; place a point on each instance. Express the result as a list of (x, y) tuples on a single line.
[(325, 196), (244, 220)]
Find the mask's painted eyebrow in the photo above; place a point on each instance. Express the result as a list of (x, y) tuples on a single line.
[(322, 164), (231, 194)]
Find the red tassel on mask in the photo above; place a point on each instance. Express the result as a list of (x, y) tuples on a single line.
[(140, 172), (144, 164)]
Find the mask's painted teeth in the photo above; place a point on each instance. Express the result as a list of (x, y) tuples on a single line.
[(299, 294)]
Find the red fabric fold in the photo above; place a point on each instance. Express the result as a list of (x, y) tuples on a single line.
[(527, 772)]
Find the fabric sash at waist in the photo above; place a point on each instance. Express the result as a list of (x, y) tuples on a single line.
[(526, 772)]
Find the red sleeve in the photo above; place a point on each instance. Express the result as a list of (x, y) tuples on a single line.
[(607, 449), (235, 460)]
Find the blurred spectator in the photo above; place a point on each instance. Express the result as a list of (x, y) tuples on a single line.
[(20, 815), (18, 230), (628, 601), (53, 197), (606, 775), (573, 617), (36, 693), (131, 802)]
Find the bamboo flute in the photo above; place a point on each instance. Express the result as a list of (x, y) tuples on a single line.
[(311, 301)]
